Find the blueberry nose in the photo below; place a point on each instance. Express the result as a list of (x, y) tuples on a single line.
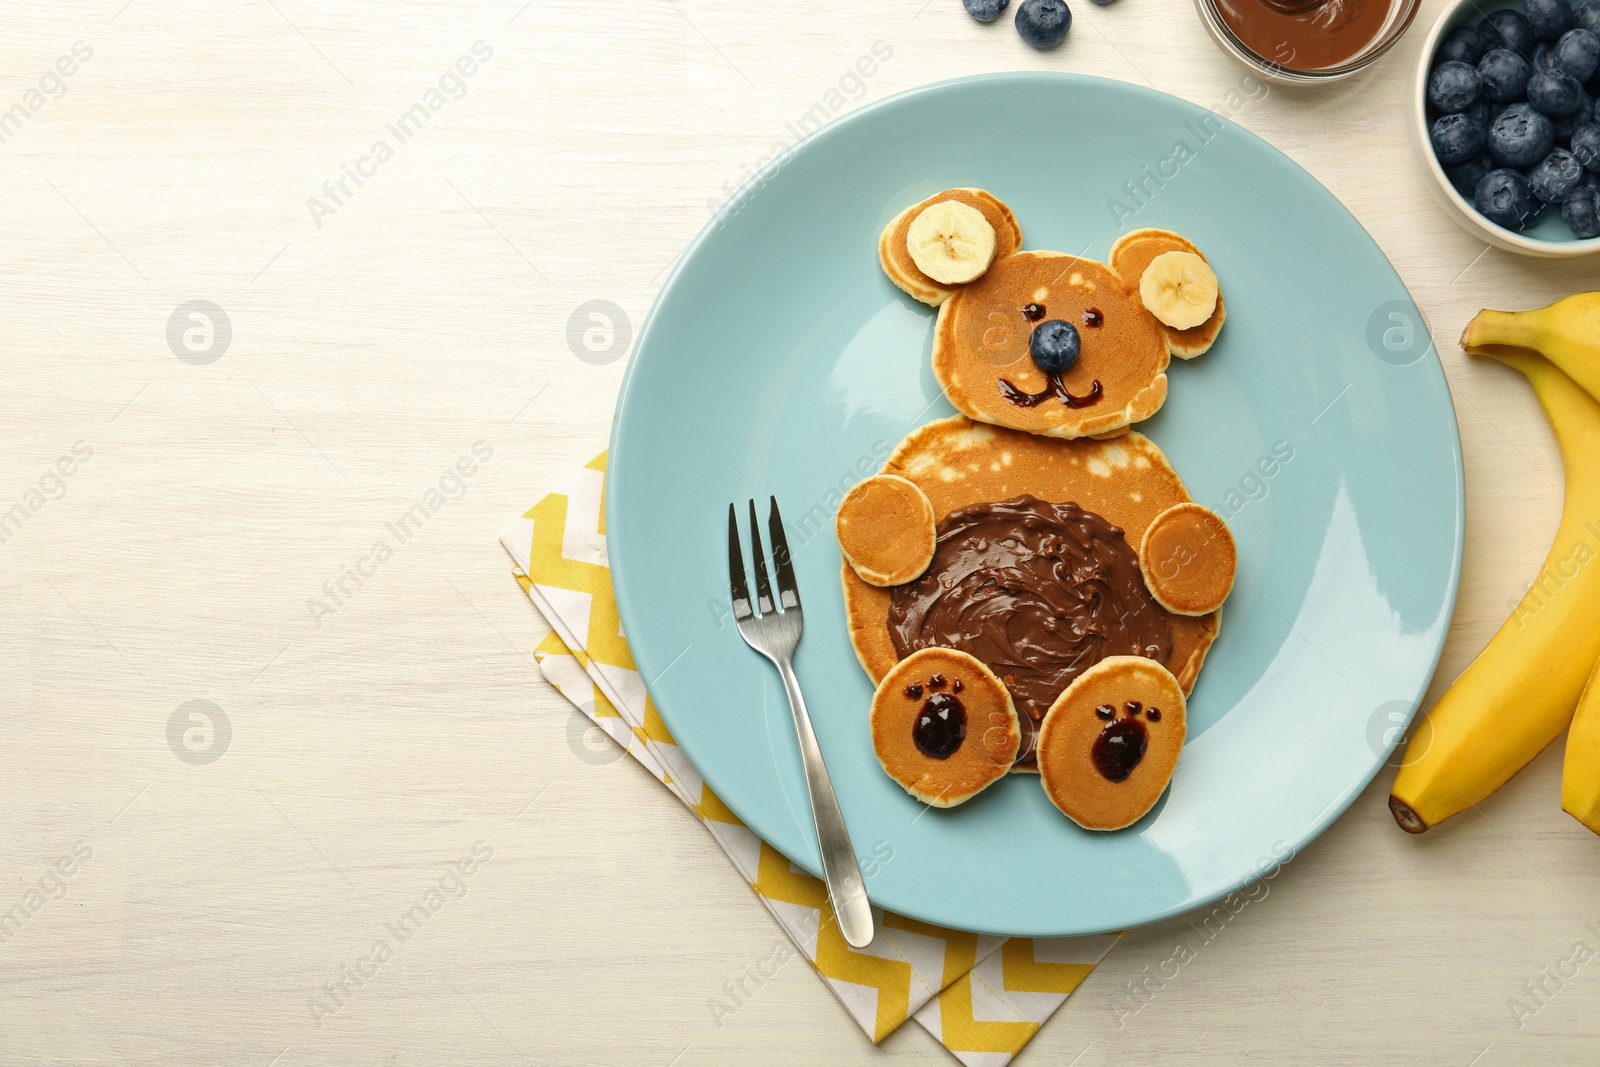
[(1054, 346)]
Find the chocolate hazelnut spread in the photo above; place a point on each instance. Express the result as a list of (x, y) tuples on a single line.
[(1039, 592), (1305, 34)]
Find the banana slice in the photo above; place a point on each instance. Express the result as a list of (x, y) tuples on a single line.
[(951, 242), (1180, 289)]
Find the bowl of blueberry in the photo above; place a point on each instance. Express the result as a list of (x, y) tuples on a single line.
[(1504, 118)]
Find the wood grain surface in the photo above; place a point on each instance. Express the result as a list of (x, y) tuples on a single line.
[(199, 522)]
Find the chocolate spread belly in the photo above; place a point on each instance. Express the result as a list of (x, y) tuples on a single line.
[(1039, 592)]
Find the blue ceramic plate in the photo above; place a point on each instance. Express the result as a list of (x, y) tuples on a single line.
[(779, 360)]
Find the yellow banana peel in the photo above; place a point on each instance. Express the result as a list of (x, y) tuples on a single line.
[(1519, 693)]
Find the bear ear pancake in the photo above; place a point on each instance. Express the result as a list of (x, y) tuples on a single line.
[(1132, 253), (896, 258)]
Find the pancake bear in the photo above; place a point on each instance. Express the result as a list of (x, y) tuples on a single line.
[(1034, 553), (1046, 342)]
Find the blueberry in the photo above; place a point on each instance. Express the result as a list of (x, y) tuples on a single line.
[(1054, 346), (1544, 56), (1103, 3), (1578, 53), (1453, 85), (1466, 176), (985, 10), (1504, 74), (1043, 23), (1509, 29), (1505, 198), (1549, 19), (1581, 213), (1456, 138), (1591, 180), (1554, 92), (1556, 176), (1586, 146), (1520, 137), (1567, 123), (1587, 16), (1467, 44)]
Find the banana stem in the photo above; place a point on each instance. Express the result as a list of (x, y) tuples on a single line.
[(1519, 329)]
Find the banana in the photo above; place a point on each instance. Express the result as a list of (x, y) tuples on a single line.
[(1580, 771), (1180, 289), (1567, 333), (1520, 692), (951, 242)]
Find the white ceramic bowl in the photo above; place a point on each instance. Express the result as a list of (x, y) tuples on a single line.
[(1550, 238)]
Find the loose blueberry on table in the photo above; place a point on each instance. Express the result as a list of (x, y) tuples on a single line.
[(985, 10), (1043, 23)]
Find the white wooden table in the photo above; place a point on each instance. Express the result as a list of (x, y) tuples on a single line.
[(377, 740)]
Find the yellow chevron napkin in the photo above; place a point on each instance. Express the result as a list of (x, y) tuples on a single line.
[(983, 997)]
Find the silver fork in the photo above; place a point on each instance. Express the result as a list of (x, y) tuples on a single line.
[(772, 628)]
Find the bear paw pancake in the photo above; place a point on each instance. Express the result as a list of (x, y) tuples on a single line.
[(944, 727), (1110, 742), (895, 254), (1189, 559), (1132, 255), (885, 529)]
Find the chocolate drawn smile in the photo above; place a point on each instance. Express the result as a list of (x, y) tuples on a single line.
[(1054, 389)]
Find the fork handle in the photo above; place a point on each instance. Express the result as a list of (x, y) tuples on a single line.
[(840, 871)]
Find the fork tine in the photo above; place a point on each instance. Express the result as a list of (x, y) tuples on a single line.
[(736, 584), (763, 586), (788, 591)]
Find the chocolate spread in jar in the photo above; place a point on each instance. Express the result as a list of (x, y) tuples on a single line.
[(1305, 34), (1039, 592)]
